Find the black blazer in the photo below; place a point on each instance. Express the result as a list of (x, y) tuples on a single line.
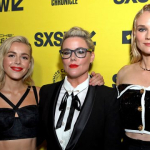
[(98, 124)]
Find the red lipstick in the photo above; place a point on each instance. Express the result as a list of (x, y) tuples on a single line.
[(73, 66), (17, 68)]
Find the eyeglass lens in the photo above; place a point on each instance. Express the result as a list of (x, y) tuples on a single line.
[(66, 53)]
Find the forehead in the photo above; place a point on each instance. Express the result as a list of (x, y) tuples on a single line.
[(144, 19), (19, 48), (74, 42)]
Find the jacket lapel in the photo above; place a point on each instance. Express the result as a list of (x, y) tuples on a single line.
[(83, 117), (51, 116)]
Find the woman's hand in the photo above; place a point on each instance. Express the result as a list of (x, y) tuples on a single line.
[(96, 79)]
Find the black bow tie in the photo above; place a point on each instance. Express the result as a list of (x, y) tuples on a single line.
[(75, 104)]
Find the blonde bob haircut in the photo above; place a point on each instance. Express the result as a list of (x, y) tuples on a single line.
[(136, 55), (4, 48), (79, 32)]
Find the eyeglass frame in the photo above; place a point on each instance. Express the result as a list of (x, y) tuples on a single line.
[(85, 49)]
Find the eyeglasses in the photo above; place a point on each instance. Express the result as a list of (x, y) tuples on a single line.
[(79, 52)]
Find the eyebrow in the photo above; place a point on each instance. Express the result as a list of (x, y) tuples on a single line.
[(74, 49), (16, 53), (141, 26)]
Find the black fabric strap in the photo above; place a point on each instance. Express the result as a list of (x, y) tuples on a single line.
[(19, 102), (22, 98), (35, 94), (75, 104), (7, 100), (62, 108)]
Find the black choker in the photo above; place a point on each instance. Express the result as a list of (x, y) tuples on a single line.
[(144, 68)]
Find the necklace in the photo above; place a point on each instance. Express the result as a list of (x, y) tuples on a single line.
[(143, 68)]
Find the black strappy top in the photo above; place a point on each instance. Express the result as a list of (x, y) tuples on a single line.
[(21, 127)]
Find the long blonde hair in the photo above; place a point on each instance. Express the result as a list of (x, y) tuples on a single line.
[(135, 54)]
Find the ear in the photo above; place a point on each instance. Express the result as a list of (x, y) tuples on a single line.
[(92, 57), (29, 65)]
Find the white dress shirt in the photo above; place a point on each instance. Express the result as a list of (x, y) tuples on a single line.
[(81, 91)]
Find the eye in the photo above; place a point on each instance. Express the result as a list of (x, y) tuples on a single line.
[(81, 51), (141, 29), (25, 57), (65, 52), (11, 55)]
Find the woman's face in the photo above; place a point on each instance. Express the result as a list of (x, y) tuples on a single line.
[(77, 68), (142, 33), (17, 61)]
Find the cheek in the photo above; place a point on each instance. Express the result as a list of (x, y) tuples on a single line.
[(65, 62), (27, 65), (85, 62), (6, 62), (139, 40), (140, 37)]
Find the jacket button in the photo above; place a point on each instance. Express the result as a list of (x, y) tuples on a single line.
[(142, 91), (140, 127), (61, 141), (139, 108)]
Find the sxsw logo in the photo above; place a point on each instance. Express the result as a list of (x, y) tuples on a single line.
[(126, 37), (59, 75), (10, 5), (3, 37), (51, 38), (127, 1)]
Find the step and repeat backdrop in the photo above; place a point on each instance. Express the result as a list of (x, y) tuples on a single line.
[(45, 22)]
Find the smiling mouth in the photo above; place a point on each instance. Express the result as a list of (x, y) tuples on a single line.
[(147, 44), (73, 66), (18, 69)]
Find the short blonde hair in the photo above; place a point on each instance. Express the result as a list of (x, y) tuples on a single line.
[(135, 51), (4, 48), (79, 32)]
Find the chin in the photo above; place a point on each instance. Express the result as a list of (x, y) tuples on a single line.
[(73, 75), (77, 75)]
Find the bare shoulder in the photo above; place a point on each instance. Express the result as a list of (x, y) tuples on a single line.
[(124, 72), (38, 90), (124, 69)]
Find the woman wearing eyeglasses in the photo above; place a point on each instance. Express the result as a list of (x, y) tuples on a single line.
[(73, 114)]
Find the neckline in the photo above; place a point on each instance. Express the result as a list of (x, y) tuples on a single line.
[(70, 89), (33, 105), (145, 69), (127, 84), (19, 102)]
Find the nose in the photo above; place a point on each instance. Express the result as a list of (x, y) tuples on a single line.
[(17, 60), (73, 56), (148, 35)]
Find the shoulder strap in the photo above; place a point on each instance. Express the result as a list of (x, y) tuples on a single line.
[(35, 94), (7, 100), (22, 98)]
